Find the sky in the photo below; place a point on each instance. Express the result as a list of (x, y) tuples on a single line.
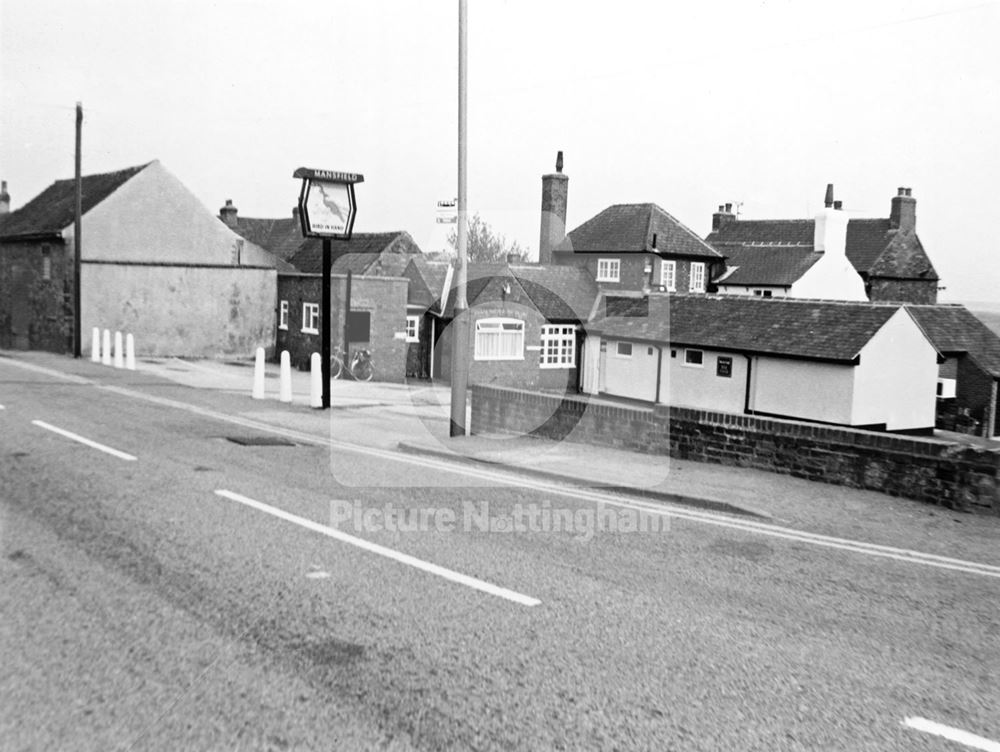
[(684, 104)]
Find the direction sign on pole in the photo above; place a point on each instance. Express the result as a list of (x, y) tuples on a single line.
[(326, 202)]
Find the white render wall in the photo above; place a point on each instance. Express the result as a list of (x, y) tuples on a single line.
[(802, 389), (633, 377), (691, 386), (896, 381), (154, 217), (776, 292)]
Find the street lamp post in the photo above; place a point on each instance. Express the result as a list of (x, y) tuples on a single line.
[(460, 324)]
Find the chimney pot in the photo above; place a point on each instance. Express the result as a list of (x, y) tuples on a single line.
[(559, 161), (903, 211), (838, 205), (828, 201), (729, 208), (722, 207)]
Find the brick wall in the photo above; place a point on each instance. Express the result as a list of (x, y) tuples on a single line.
[(929, 470), (36, 313), (383, 297), (916, 291)]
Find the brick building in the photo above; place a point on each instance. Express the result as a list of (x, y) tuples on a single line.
[(525, 325), (377, 319), (770, 257), (970, 374)]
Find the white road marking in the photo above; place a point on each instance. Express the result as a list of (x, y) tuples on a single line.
[(83, 440), (511, 478), (317, 575), (389, 553), (2, 407), (952, 734)]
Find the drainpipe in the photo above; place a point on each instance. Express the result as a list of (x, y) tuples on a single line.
[(659, 370), (746, 401)]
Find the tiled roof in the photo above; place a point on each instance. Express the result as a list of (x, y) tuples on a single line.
[(764, 232), (873, 248), (767, 265), (629, 228), (955, 330), (309, 256), (560, 293), (282, 237), (811, 329), (53, 209), (426, 282)]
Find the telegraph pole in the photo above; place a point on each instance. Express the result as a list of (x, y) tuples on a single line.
[(460, 324), (77, 225)]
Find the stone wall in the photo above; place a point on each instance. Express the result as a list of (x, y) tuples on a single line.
[(929, 470)]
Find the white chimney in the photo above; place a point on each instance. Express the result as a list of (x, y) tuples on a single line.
[(830, 235)]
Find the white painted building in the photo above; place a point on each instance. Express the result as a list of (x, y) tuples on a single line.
[(853, 364)]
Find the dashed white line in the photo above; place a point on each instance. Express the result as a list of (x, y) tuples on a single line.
[(83, 440), (511, 478), (952, 734), (389, 553)]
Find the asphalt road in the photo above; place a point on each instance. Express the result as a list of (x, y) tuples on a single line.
[(199, 596)]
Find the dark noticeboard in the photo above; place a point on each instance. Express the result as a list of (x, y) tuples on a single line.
[(359, 326), (724, 366)]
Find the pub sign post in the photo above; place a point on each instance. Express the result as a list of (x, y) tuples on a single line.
[(327, 208)]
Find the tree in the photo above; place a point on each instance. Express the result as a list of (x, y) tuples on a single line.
[(486, 245)]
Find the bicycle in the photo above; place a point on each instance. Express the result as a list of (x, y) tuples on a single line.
[(361, 365)]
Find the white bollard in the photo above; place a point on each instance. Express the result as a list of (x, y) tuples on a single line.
[(106, 349), (95, 345), (129, 352), (285, 389), (258, 375), (315, 381), (119, 355)]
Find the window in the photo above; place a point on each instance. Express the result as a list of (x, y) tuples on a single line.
[(46, 262), (697, 277), (624, 350), (412, 328), (558, 347), (359, 326), (499, 339), (608, 270), (283, 315), (763, 293), (310, 318), (694, 358), (668, 275)]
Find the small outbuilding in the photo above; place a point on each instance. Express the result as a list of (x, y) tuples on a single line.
[(854, 364)]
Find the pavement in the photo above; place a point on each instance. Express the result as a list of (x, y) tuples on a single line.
[(414, 418)]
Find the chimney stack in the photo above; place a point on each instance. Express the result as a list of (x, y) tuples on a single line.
[(228, 214), (903, 212), (721, 217), (555, 190), (830, 233), (4, 198)]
